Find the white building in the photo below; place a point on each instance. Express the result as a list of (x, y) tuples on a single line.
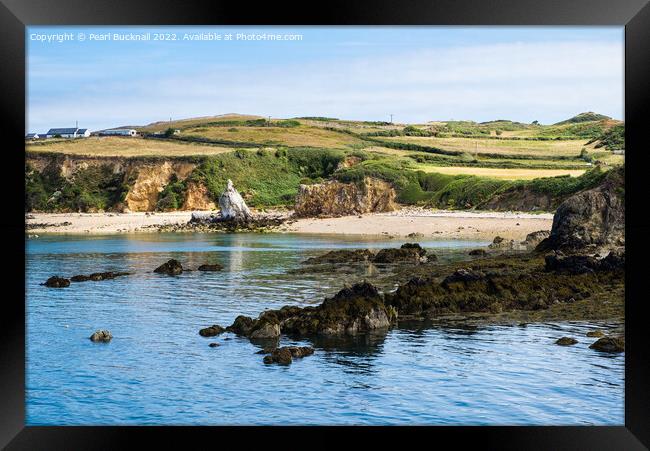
[(68, 132), (119, 132), (33, 136)]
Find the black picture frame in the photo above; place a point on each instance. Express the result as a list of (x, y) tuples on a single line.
[(15, 15)]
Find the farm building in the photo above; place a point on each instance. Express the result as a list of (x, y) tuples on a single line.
[(68, 132), (33, 136), (118, 132)]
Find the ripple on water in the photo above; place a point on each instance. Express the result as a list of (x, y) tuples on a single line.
[(158, 370)]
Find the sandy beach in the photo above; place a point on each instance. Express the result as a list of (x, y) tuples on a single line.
[(401, 223)]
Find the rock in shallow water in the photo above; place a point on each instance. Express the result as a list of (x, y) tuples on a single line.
[(97, 276), (213, 267), (212, 331), (102, 336), (285, 355), (566, 341), (57, 282), (172, 267), (359, 308), (609, 344)]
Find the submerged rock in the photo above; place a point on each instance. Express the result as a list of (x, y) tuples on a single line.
[(343, 256), (212, 331), (103, 336), (214, 345), (96, 276), (171, 267), (609, 344), (232, 205), (212, 267), (57, 282), (566, 341)]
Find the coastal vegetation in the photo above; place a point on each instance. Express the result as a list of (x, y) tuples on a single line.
[(454, 164)]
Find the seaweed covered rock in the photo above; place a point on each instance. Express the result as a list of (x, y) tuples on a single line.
[(493, 290), (592, 218), (478, 252), (210, 267), (172, 267), (578, 263), (102, 336), (343, 256), (571, 264), (57, 282), (212, 331), (97, 276), (609, 344), (408, 253), (285, 355), (359, 308), (241, 326)]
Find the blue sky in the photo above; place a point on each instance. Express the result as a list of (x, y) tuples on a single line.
[(418, 74)]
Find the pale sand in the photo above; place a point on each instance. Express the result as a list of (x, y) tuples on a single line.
[(428, 223)]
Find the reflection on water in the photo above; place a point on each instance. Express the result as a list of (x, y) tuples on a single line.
[(158, 370)]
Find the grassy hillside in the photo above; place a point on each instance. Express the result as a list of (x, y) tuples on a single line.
[(457, 164)]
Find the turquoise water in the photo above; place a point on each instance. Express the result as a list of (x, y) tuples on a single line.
[(158, 370)]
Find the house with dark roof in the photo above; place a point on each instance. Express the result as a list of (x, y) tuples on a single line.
[(68, 132)]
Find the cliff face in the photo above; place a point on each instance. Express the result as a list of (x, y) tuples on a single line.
[(340, 199), (143, 179), (151, 180)]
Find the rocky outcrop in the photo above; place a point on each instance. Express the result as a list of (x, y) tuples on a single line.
[(340, 199), (101, 336), (355, 309), (592, 219), (197, 197), (172, 267), (478, 252), (57, 282), (232, 205), (408, 253)]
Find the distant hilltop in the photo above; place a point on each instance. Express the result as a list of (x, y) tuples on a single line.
[(589, 116)]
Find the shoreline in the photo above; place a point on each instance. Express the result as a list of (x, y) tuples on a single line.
[(407, 222)]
